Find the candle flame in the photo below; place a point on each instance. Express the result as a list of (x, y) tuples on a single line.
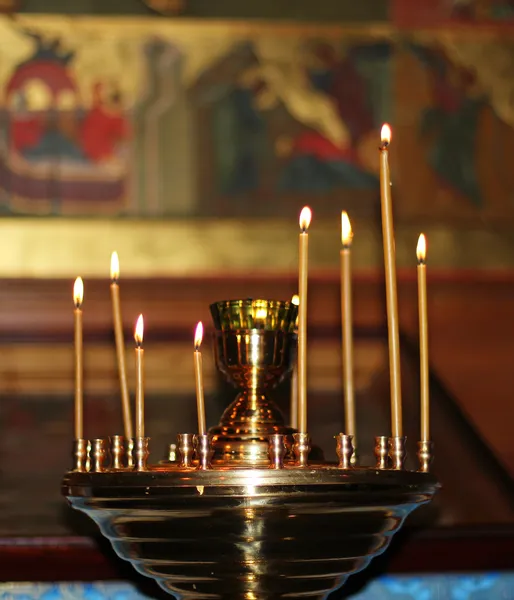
[(78, 292), (385, 134), (198, 336), (305, 218), (421, 249), (138, 334), (346, 229), (295, 300), (115, 266)]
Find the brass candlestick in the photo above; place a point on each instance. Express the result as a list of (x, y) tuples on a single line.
[(254, 345), (211, 528)]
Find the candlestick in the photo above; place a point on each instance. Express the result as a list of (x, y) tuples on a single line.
[(293, 409), (423, 339), (391, 294), (78, 296), (120, 345), (305, 219), (140, 379), (347, 329), (200, 400)]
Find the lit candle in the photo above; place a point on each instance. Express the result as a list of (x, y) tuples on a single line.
[(305, 219), (391, 295), (421, 251), (200, 399), (78, 296), (120, 345), (346, 323), (140, 379), (294, 379)]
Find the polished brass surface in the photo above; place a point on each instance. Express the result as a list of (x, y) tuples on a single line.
[(262, 519), (344, 450), (249, 533), (397, 452), (204, 451), (186, 449), (382, 451), (301, 449), (129, 449), (100, 455), (142, 452), (117, 444), (267, 315), (425, 455), (277, 450), (81, 450), (254, 360)]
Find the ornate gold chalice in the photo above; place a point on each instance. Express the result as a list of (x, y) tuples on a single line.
[(253, 347), (236, 516)]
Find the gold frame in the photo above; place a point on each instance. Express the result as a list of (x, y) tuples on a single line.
[(67, 247)]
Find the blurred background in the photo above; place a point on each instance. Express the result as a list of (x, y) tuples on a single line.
[(187, 135)]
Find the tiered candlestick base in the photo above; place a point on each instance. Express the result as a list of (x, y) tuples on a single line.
[(244, 512)]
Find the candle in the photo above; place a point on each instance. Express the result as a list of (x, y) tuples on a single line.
[(140, 379), (120, 345), (293, 417), (78, 296), (423, 338), (346, 324), (390, 275), (200, 399), (305, 219)]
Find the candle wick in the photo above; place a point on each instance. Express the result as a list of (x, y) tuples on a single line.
[(422, 261), (197, 347), (114, 280), (384, 145), (347, 245)]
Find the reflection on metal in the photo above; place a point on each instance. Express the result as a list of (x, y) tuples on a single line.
[(248, 511)]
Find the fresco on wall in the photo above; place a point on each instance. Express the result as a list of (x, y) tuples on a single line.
[(130, 118), (98, 122)]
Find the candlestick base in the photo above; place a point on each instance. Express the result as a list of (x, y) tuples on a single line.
[(81, 455), (204, 451), (249, 532), (277, 450), (117, 445), (186, 449), (397, 452), (129, 448), (100, 455), (142, 453), (382, 452), (301, 449), (344, 450), (425, 449)]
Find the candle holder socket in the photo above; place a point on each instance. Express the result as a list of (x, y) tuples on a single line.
[(277, 450), (129, 449), (81, 455), (100, 455), (344, 450), (142, 452), (117, 444), (397, 452), (185, 443), (301, 449), (204, 451), (382, 452), (425, 456)]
